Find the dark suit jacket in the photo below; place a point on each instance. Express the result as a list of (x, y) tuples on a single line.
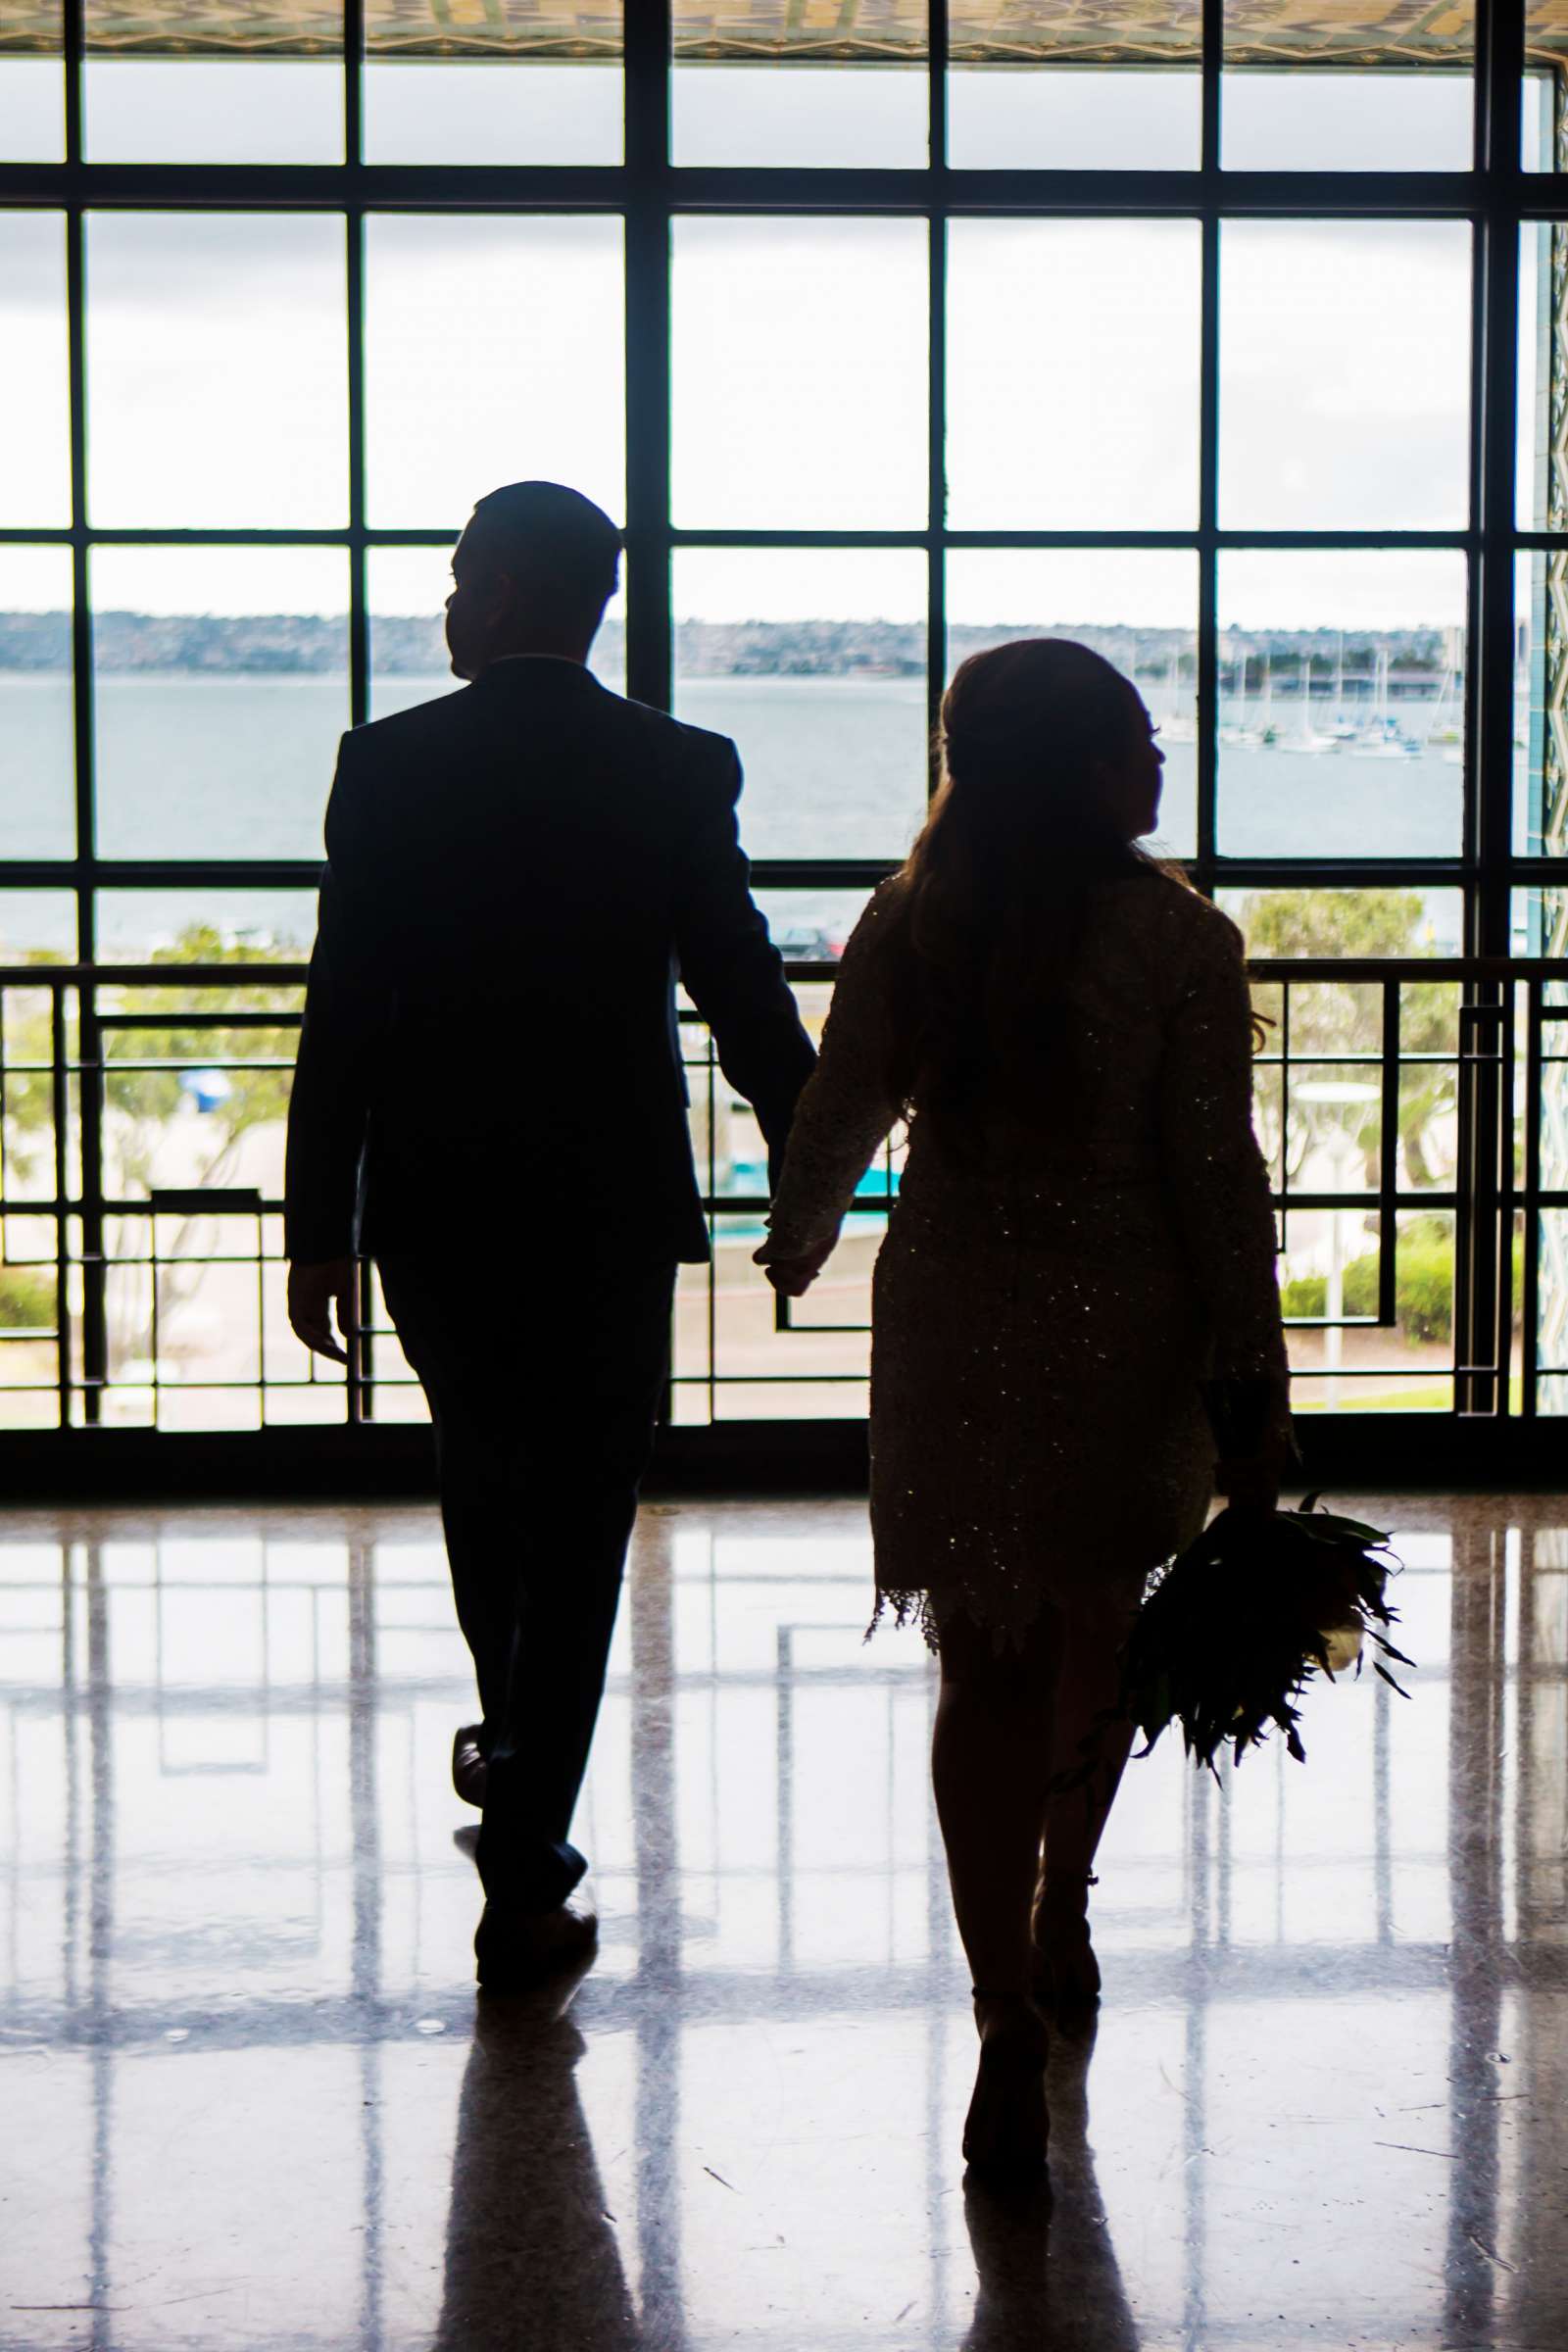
[(517, 875)]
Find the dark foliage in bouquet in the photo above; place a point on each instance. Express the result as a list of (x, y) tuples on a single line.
[(1242, 1620)]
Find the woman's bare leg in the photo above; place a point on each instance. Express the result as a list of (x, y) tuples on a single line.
[(1073, 1821), (990, 1766), (991, 1762)]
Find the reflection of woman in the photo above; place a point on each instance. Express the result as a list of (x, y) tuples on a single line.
[(1083, 1233), (1046, 2270)]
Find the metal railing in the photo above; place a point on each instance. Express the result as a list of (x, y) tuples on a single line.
[(1414, 1113)]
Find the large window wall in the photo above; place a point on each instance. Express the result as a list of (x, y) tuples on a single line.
[(1234, 348)]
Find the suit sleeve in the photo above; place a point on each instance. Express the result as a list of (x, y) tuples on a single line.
[(329, 1102), (1216, 1171), (731, 969)]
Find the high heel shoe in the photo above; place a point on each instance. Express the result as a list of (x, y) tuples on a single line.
[(1007, 2129), (1067, 1974)]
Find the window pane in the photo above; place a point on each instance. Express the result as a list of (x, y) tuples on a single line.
[(493, 354), (800, 374), (32, 84), (1139, 610), (1387, 89), (1103, 441), (226, 86), (195, 926), (1546, 58), (1346, 922), (35, 382), (504, 83), (220, 690), (407, 588), (814, 661), (1044, 90), (1540, 719), (37, 926), (37, 724), (800, 86), (811, 926), (1342, 704), (217, 371), (1542, 470), (1345, 374)]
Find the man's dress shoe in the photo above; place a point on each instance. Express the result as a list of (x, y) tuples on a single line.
[(470, 1771), (516, 1951)]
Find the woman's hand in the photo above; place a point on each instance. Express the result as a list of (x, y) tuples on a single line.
[(792, 1277)]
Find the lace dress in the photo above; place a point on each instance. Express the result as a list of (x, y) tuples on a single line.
[(1042, 1321)]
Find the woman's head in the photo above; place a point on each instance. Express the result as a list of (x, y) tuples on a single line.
[(1045, 740), (1051, 775)]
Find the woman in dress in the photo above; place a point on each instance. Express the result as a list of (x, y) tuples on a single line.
[(1083, 1237)]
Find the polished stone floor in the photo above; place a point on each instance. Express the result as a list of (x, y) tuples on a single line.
[(249, 2100)]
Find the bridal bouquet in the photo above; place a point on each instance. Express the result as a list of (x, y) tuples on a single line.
[(1242, 1619)]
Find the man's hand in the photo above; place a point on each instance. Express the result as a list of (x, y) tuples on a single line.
[(793, 1277), (311, 1292)]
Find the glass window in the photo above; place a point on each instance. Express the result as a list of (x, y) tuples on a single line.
[(503, 84), (407, 589), (35, 382), (1341, 704), (1540, 716), (1137, 608), (799, 86), (220, 690), (814, 660), (33, 82), (1386, 89), (204, 926), (233, 86), (37, 926), (38, 716), (494, 352), (1345, 374), (800, 396), (1056, 418), (1044, 90), (1545, 60), (217, 371), (1542, 475), (1359, 922)]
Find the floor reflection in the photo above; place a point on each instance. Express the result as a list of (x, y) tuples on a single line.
[(253, 2108)]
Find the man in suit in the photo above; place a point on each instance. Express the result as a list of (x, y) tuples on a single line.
[(489, 1100)]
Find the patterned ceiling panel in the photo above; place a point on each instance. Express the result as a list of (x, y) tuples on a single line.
[(1366, 33)]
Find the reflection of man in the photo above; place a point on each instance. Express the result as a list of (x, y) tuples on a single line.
[(490, 1062)]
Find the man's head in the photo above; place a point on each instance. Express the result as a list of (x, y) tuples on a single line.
[(532, 575)]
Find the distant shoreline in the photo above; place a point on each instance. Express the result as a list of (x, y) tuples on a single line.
[(282, 645)]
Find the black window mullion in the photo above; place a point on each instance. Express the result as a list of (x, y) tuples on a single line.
[(648, 648), (936, 649), (353, 84), (358, 608), (1207, 682)]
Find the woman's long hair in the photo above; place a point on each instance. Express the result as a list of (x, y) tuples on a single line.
[(984, 933)]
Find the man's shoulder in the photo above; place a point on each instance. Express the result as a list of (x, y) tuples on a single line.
[(414, 731), (696, 748)]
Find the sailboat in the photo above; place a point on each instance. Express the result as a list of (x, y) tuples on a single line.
[(1306, 737), (1382, 737)]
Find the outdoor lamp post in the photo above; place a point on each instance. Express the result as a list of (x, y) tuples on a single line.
[(1340, 1146)]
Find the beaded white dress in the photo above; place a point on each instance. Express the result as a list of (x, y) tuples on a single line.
[(1044, 1316)]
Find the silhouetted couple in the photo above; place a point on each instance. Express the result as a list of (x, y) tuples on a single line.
[(489, 1102)]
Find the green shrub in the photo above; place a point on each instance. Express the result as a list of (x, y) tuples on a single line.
[(26, 1299), (1423, 1286)]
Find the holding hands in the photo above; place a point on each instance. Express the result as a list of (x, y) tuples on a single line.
[(791, 1273)]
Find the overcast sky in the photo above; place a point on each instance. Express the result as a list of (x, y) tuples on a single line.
[(216, 388)]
